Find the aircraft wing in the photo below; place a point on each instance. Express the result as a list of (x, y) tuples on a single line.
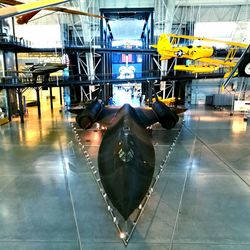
[(71, 11), (241, 45), (214, 61), (10, 2), (26, 7), (107, 115), (146, 115)]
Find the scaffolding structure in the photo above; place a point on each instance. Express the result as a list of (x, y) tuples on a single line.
[(83, 31)]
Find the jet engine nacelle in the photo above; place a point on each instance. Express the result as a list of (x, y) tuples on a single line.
[(166, 117), (89, 115)]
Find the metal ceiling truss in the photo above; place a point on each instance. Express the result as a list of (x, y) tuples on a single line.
[(164, 12), (222, 13), (83, 28)]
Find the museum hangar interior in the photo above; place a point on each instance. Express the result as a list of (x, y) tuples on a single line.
[(52, 183)]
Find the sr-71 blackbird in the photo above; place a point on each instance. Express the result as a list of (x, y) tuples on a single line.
[(126, 157)]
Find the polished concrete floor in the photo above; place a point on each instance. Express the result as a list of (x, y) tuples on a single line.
[(49, 199)]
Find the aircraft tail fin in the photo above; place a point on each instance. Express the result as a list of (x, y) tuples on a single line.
[(164, 43), (163, 46)]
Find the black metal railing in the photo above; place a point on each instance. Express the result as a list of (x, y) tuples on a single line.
[(13, 40)]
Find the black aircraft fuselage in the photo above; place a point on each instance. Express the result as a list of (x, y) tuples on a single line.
[(126, 157), (126, 161)]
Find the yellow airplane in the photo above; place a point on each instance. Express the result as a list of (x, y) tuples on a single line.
[(168, 51), (202, 54)]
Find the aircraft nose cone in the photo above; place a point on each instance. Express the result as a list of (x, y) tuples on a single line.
[(127, 185), (126, 172)]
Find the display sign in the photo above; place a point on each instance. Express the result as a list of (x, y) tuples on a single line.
[(241, 105)]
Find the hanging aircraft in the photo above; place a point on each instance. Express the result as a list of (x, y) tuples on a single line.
[(40, 69), (25, 11), (126, 157), (44, 69), (203, 56)]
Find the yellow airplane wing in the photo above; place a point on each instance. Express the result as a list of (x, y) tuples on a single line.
[(197, 68), (27, 7), (241, 45), (214, 61)]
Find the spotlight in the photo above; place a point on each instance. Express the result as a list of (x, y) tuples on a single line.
[(122, 235)]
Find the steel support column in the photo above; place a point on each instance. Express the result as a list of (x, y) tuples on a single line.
[(60, 93), (20, 101), (150, 85), (38, 103), (51, 99), (9, 105)]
